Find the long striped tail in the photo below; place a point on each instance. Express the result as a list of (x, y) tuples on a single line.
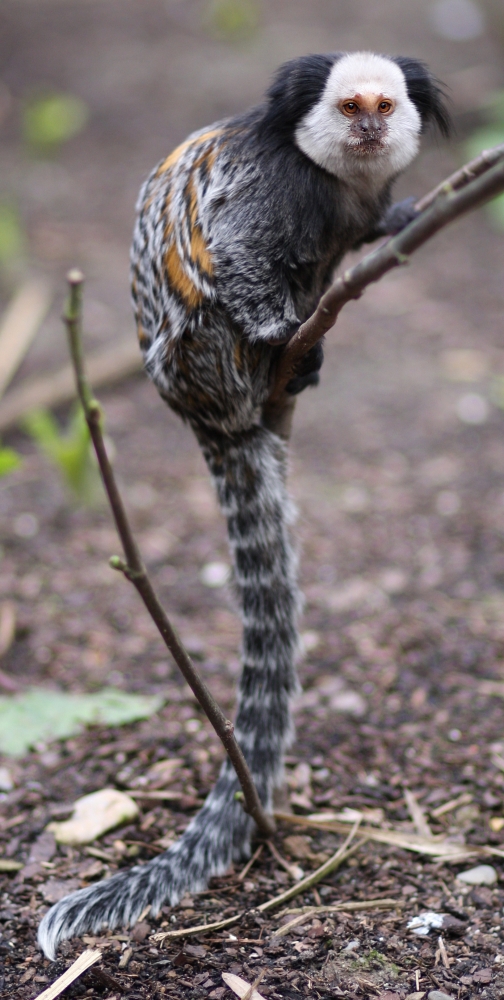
[(249, 473)]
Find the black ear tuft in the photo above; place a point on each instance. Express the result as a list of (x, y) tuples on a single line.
[(426, 92), (297, 86)]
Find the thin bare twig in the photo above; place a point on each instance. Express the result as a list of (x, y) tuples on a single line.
[(252, 987), (463, 175), (218, 925), (343, 852), (134, 569), (244, 872), (447, 202), (417, 814)]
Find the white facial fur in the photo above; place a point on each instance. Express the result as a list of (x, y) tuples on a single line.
[(324, 133)]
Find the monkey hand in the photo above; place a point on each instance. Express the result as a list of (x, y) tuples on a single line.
[(307, 370), (399, 215)]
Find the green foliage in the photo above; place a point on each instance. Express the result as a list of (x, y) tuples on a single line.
[(491, 134), (12, 239), (69, 450), (9, 460), (41, 715), (233, 19), (50, 120)]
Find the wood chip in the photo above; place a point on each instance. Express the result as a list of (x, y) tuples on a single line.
[(240, 986), (84, 962)]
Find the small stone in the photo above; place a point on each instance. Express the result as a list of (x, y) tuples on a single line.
[(480, 875), (415, 996), (439, 995)]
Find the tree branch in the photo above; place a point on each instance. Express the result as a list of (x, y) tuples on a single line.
[(135, 571), (468, 188)]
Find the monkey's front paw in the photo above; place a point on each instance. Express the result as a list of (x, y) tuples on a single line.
[(300, 382), (402, 213), (307, 370)]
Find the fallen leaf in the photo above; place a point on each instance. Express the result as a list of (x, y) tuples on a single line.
[(241, 987), (6, 865), (40, 714), (94, 815)]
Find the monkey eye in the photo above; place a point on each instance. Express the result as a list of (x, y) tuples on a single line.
[(384, 107), (350, 108)]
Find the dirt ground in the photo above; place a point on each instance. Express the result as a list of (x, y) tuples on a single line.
[(397, 470)]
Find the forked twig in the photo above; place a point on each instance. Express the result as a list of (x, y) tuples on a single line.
[(134, 569), (468, 188)]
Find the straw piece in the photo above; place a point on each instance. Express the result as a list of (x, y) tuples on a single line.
[(20, 323), (84, 962)]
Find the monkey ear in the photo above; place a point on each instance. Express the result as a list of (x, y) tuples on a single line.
[(427, 94)]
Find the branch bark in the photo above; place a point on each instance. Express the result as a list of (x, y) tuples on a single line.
[(468, 188), (134, 569)]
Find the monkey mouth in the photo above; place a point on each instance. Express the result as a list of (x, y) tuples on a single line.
[(367, 146)]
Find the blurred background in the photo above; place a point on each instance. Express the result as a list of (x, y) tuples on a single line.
[(397, 459)]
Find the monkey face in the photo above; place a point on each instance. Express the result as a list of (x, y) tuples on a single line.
[(364, 120), (368, 116)]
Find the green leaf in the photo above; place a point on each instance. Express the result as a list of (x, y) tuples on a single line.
[(11, 234), (233, 19), (9, 460), (69, 449), (42, 715), (52, 119)]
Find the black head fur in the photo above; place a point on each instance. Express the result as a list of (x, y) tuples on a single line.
[(297, 86), (426, 92)]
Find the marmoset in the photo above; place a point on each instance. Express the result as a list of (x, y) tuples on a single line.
[(238, 234)]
